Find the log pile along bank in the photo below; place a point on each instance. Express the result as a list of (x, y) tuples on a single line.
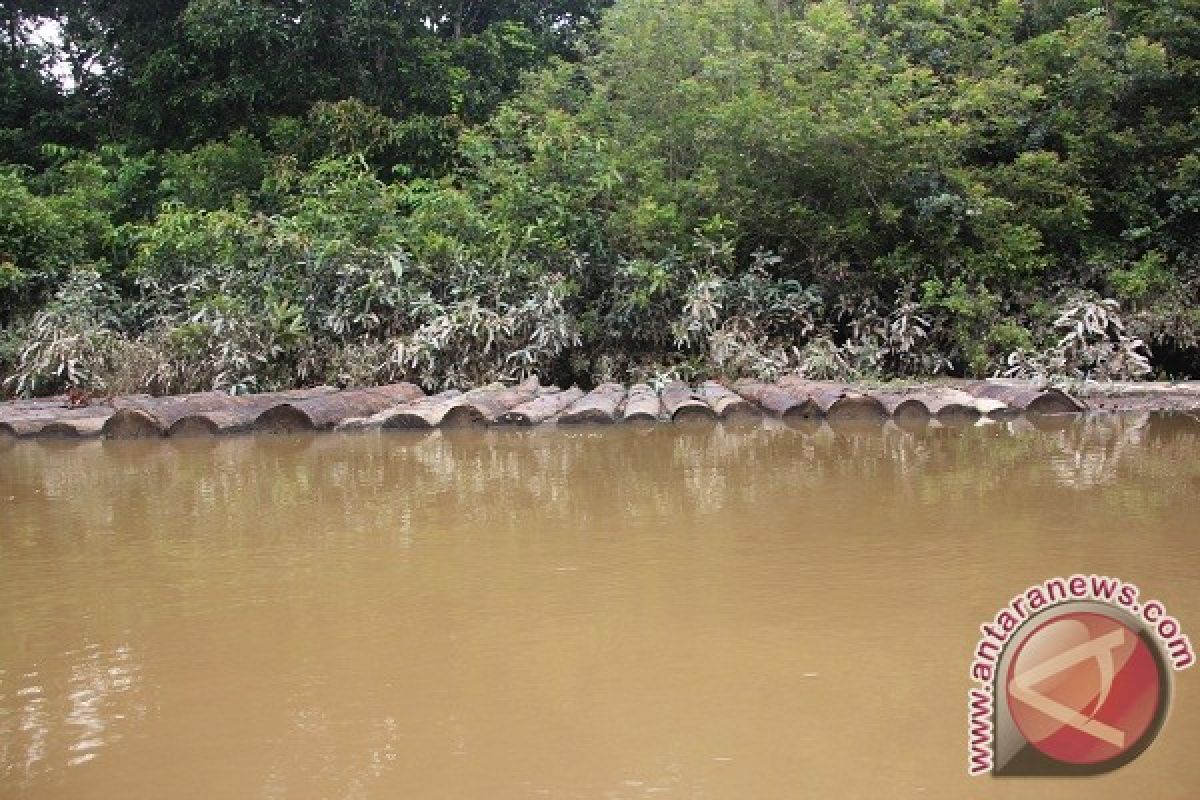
[(528, 404)]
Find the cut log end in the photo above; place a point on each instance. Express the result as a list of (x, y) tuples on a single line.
[(464, 416), (642, 406), (132, 423), (194, 426), (59, 430), (801, 412), (856, 407), (284, 418), (911, 410), (1054, 401), (407, 422)]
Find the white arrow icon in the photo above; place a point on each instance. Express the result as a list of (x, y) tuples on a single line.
[(1022, 686)]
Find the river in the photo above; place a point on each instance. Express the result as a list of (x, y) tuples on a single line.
[(681, 612)]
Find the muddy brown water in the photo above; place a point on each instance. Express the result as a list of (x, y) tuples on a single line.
[(753, 612)]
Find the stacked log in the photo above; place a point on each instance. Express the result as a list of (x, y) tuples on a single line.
[(834, 400), (214, 423), (903, 404), (951, 406), (726, 404), (599, 406), (682, 403), (774, 399), (40, 408), (455, 409), (132, 423), (1028, 398), (152, 416), (323, 412), (24, 419), (421, 414), (204, 413), (490, 404), (210, 415), (54, 416), (642, 404), (792, 398), (944, 403), (542, 408)]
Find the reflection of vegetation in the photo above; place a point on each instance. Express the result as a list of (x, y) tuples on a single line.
[(349, 192), (373, 482), (66, 709)]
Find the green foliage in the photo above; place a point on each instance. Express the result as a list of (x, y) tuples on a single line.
[(216, 174), (1145, 278), (283, 191), (44, 237)]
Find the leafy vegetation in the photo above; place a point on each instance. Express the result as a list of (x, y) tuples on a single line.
[(263, 193)]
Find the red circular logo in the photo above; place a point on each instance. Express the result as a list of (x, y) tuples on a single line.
[(1084, 688)]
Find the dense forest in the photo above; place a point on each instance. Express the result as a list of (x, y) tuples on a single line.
[(254, 194)]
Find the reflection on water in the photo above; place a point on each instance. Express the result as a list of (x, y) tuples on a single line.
[(618, 613)]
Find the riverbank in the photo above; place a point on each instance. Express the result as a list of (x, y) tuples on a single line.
[(406, 406)]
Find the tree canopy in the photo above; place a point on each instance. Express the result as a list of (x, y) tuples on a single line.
[(244, 192)]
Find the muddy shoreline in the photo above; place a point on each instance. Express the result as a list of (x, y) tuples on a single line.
[(529, 404)]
